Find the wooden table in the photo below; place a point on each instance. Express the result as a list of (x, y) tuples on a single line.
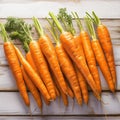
[(11, 104)]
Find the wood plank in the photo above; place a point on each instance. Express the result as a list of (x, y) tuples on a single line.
[(112, 24), (12, 104), (58, 118), (34, 8), (7, 81)]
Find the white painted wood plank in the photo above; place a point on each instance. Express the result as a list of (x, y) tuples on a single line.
[(105, 9), (57, 118), (11, 104)]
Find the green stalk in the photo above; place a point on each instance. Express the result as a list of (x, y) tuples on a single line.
[(90, 28), (3, 33), (53, 32), (75, 15), (56, 22), (38, 26)]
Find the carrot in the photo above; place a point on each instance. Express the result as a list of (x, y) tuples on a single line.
[(99, 54), (31, 61), (41, 65), (106, 44), (89, 54), (33, 75), (48, 50), (32, 88), (67, 20), (14, 65), (67, 67), (70, 47)]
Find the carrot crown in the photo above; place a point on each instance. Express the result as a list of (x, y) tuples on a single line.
[(94, 18), (90, 27), (38, 26), (56, 22), (75, 15), (3, 33), (53, 32), (66, 19)]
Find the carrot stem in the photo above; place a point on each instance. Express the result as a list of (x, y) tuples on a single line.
[(57, 22), (75, 15), (38, 26), (3, 33)]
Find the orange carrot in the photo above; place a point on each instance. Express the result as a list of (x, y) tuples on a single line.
[(100, 55), (83, 85), (41, 65), (32, 88), (14, 65), (31, 61), (48, 50), (106, 44), (70, 47), (33, 75), (89, 54)]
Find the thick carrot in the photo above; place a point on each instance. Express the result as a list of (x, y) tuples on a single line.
[(41, 65), (14, 65), (105, 41), (70, 47), (32, 88), (48, 50), (33, 75), (31, 61), (100, 57), (83, 85), (89, 54)]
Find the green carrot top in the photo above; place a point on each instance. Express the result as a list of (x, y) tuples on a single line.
[(94, 18), (90, 27)]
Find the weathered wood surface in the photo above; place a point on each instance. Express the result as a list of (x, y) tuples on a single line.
[(40, 8), (11, 103)]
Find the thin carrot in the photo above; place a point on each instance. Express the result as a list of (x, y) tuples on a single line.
[(99, 54), (70, 47), (32, 88), (14, 65), (33, 75), (89, 54), (105, 41), (41, 65), (48, 50)]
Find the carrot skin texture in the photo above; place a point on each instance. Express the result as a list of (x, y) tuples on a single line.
[(69, 72), (33, 75), (70, 47), (90, 57), (16, 70), (31, 61), (49, 51), (42, 67), (101, 60), (105, 41), (32, 88)]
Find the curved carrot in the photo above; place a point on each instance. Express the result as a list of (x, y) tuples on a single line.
[(70, 47), (100, 57), (48, 50), (106, 44), (41, 65), (32, 88), (33, 75), (89, 54), (14, 65)]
